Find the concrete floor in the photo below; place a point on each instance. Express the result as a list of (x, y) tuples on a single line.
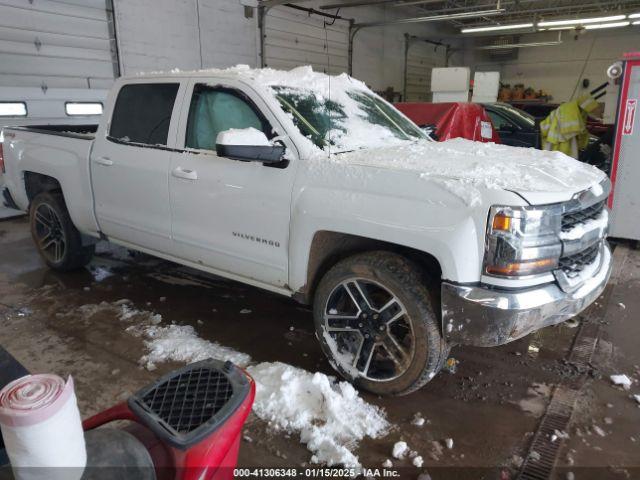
[(490, 406)]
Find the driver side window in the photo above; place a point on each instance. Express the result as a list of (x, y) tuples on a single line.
[(216, 109)]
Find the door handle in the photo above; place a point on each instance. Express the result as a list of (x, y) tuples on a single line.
[(180, 172), (106, 161)]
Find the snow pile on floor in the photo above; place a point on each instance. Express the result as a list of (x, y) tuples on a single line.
[(400, 449), (181, 343), (330, 416), (418, 420), (621, 380)]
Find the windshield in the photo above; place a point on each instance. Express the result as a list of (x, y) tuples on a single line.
[(520, 114), (358, 120)]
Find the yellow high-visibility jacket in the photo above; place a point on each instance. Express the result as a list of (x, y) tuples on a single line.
[(565, 129)]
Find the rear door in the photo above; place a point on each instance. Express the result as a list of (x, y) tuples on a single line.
[(229, 215), (130, 165)]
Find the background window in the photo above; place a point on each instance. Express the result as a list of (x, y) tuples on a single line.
[(83, 108), (214, 110), (13, 109), (143, 113)]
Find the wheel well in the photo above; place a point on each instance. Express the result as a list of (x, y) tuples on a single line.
[(328, 248), (36, 183)]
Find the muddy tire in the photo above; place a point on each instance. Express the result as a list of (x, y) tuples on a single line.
[(58, 241), (376, 324)]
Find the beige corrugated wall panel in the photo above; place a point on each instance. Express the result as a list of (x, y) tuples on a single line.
[(293, 38), (160, 35), (422, 57), (55, 44)]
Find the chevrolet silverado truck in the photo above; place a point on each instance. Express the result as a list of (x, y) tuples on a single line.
[(314, 187)]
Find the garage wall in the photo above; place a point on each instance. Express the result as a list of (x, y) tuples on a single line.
[(422, 58), (156, 35), (558, 69), (52, 51), (379, 52), (294, 38), (190, 34)]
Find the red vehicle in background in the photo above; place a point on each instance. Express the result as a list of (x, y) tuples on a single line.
[(444, 121)]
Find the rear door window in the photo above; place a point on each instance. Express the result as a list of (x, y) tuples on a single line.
[(142, 113)]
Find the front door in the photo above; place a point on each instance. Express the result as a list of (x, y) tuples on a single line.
[(229, 215), (130, 167)]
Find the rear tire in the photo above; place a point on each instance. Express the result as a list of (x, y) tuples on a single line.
[(376, 323), (58, 241)]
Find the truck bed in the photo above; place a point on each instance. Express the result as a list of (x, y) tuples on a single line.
[(86, 132), (59, 152)]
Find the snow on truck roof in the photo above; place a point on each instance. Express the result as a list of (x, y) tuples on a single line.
[(299, 77)]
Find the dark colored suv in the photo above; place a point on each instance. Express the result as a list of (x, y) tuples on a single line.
[(515, 127)]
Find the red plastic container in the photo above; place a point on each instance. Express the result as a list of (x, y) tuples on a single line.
[(190, 421), (452, 120)]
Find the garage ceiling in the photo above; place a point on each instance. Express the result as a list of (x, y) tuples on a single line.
[(515, 10)]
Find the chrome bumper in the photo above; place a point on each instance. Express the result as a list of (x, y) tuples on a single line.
[(486, 317)]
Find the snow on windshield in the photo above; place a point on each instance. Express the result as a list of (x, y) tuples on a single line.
[(336, 113)]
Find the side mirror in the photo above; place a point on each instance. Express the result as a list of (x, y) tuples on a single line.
[(248, 145)]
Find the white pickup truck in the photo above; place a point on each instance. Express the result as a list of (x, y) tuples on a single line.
[(314, 187)]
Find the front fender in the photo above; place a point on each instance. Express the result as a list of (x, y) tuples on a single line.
[(450, 233)]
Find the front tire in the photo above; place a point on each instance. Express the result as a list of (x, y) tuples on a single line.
[(58, 241), (376, 324)]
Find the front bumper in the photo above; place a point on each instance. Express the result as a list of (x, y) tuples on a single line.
[(486, 317)]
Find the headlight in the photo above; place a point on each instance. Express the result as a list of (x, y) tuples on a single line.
[(522, 241)]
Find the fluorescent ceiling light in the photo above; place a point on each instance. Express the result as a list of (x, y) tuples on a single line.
[(434, 18), (571, 27), (581, 21), (634, 15), (607, 25), (519, 45), (637, 22), (13, 109), (83, 108), (497, 27)]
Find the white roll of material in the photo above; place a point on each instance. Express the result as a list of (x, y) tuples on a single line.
[(42, 429)]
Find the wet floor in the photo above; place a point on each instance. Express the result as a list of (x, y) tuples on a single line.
[(490, 406)]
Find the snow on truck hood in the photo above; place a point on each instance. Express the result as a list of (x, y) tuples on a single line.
[(465, 168)]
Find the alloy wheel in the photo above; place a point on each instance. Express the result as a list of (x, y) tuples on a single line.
[(49, 233), (368, 330)]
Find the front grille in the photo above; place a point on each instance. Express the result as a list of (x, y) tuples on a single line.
[(574, 264), (572, 219)]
